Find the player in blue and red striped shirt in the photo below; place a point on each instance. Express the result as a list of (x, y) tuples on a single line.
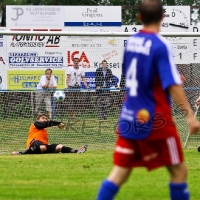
[(147, 135)]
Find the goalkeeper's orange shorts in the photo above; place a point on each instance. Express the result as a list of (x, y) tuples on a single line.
[(149, 153)]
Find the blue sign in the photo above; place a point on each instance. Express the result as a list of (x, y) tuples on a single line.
[(90, 79), (92, 23)]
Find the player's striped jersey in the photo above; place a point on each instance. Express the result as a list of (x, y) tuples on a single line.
[(149, 71)]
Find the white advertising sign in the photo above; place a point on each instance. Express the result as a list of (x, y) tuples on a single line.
[(92, 16), (20, 52), (57, 52), (34, 16)]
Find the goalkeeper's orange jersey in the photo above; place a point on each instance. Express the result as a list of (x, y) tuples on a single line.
[(37, 134)]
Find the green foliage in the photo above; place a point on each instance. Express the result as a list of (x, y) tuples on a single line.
[(62, 2), (179, 2), (13, 2)]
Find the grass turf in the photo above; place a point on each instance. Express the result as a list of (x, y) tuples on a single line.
[(78, 176)]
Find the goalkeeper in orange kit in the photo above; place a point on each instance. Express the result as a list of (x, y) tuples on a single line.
[(37, 142)]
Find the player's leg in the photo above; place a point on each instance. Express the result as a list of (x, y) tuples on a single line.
[(47, 100), (111, 185), (167, 152), (126, 156), (100, 106), (177, 169), (36, 147), (63, 149), (38, 100), (72, 103), (36, 150), (69, 104), (76, 103), (106, 104), (178, 185), (173, 159), (56, 148)]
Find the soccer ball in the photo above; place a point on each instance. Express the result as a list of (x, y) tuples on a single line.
[(59, 95)]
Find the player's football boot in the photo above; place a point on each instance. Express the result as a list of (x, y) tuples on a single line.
[(82, 149)]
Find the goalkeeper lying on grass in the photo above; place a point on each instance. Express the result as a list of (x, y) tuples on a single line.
[(37, 142)]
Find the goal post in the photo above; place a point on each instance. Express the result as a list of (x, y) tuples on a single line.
[(27, 54)]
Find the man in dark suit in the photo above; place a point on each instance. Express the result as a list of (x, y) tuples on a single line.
[(103, 78)]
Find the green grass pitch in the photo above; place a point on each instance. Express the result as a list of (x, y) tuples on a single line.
[(78, 176)]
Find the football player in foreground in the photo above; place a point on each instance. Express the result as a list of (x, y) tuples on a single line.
[(37, 142), (147, 135)]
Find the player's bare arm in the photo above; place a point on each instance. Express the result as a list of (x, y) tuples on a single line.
[(46, 84), (179, 97), (84, 82), (53, 87)]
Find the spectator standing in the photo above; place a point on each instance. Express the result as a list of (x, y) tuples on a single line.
[(43, 92), (103, 77), (75, 75)]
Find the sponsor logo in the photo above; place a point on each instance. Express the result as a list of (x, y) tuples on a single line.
[(28, 79), (92, 13), (53, 53), (31, 59), (124, 150), (109, 65), (35, 41), (18, 12), (36, 10), (1, 60), (84, 61)]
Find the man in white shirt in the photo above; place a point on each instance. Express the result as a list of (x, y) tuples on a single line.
[(74, 76), (46, 83)]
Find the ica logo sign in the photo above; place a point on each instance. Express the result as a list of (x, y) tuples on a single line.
[(84, 62)]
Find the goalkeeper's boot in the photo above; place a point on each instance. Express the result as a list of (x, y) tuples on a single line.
[(82, 149), (16, 153)]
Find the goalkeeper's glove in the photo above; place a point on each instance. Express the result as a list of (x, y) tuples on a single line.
[(62, 126)]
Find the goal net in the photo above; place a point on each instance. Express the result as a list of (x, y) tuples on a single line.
[(91, 118)]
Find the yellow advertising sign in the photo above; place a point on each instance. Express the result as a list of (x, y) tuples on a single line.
[(28, 79)]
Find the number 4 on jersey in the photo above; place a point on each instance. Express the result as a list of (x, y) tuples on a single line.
[(131, 81)]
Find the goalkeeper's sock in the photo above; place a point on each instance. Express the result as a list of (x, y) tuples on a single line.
[(107, 190), (179, 191), (68, 150)]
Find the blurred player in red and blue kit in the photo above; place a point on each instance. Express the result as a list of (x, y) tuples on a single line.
[(147, 135)]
